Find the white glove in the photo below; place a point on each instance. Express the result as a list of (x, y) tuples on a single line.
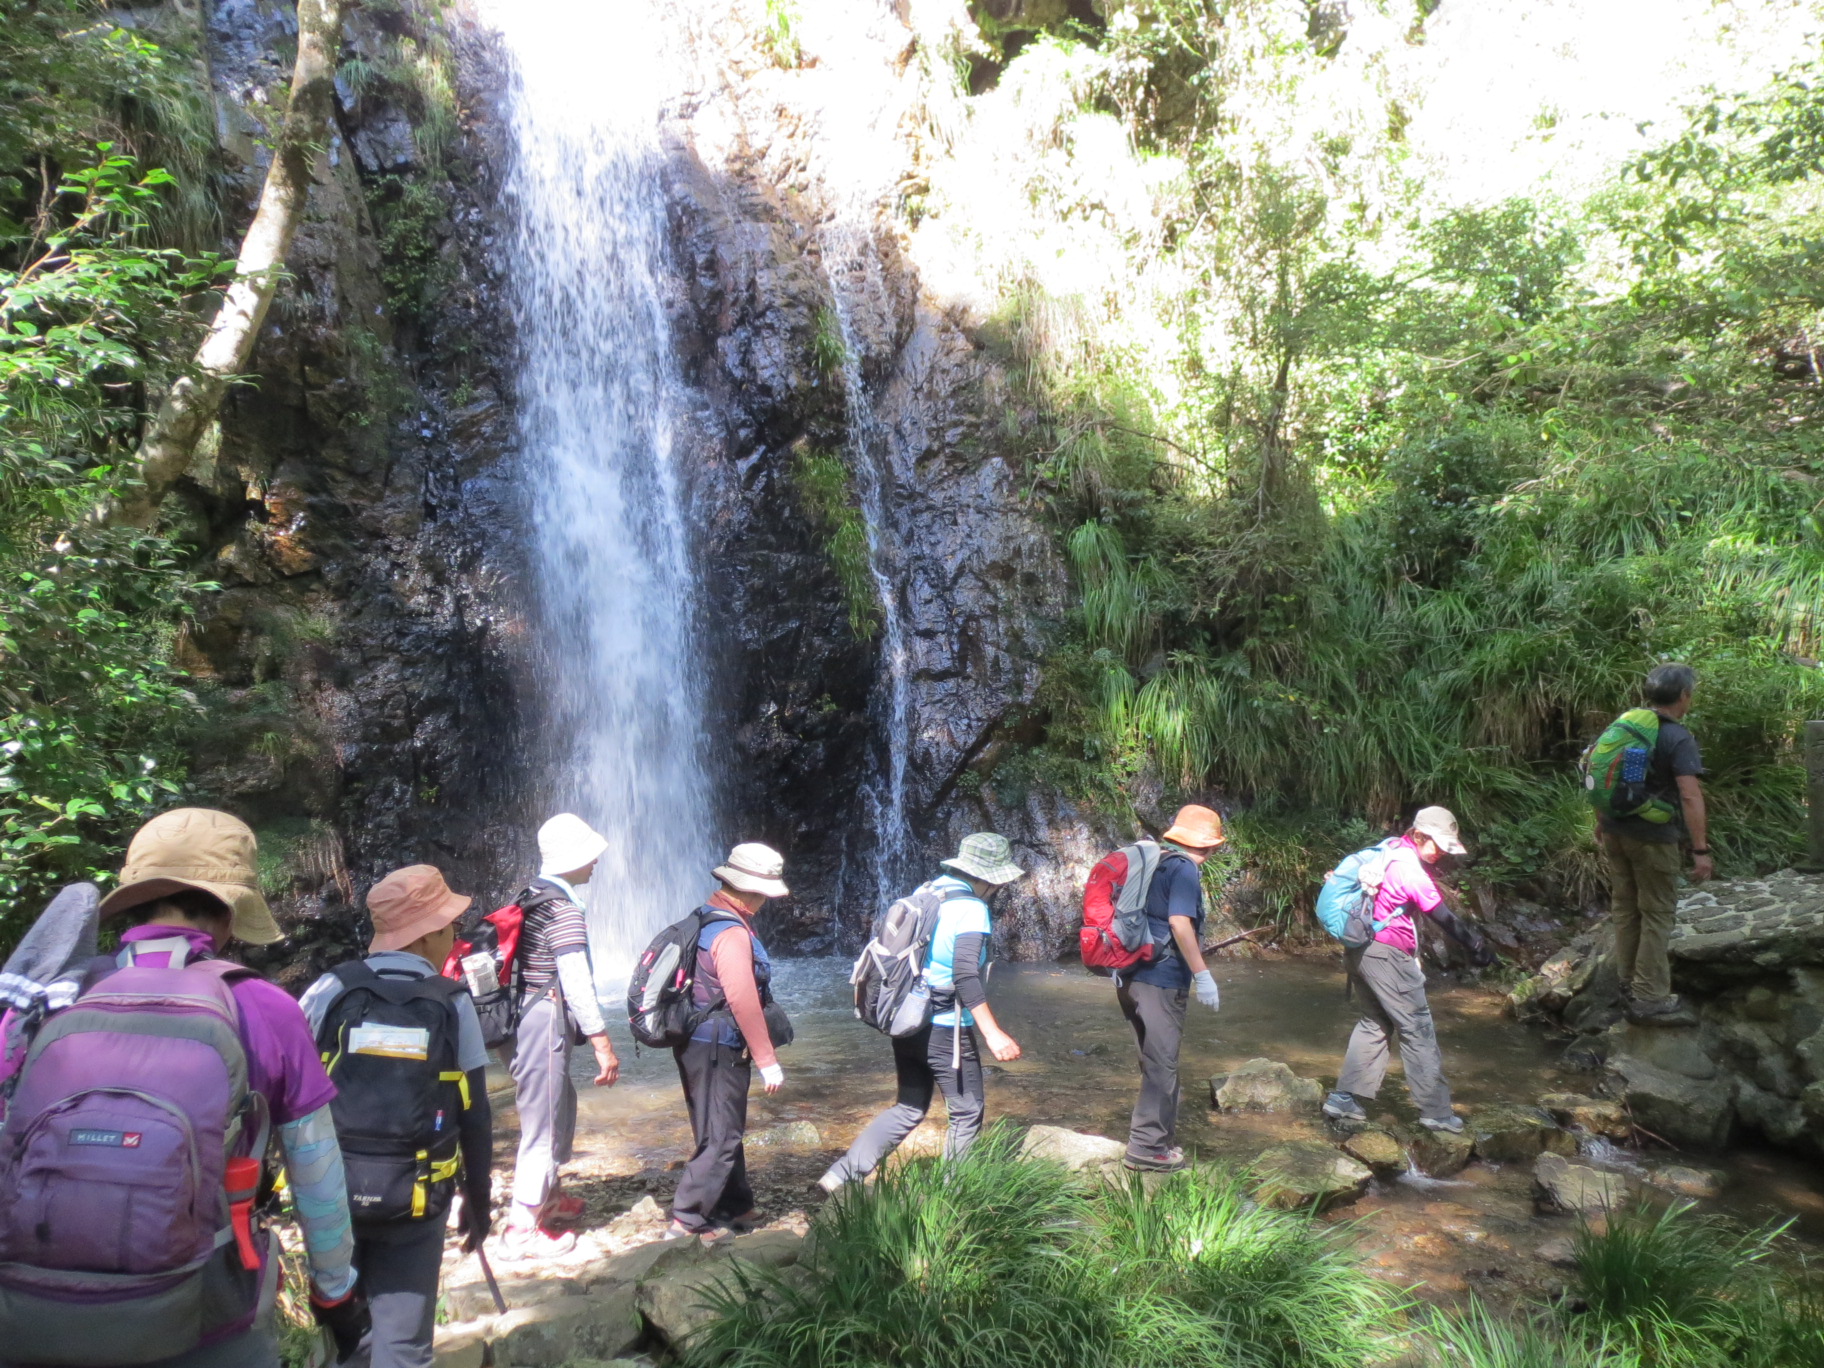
[(1205, 983), (772, 1075)]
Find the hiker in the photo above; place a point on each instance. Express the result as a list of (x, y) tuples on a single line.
[(1155, 994), (1643, 855), (189, 1034), (716, 1065), (1391, 980), (557, 990), (944, 1056), (406, 1055)]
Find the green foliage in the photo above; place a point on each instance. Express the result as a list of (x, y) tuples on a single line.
[(93, 313), (779, 32), (829, 350), (826, 491), (1411, 532), (1004, 1263)]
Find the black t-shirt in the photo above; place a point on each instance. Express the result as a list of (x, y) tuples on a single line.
[(1176, 891), (1675, 754)]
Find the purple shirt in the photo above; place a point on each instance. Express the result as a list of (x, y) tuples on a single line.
[(283, 1065)]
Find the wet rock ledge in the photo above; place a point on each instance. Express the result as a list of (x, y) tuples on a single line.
[(1748, 957)]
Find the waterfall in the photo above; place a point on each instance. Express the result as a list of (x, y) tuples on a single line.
[(860, 106), (600, 405)]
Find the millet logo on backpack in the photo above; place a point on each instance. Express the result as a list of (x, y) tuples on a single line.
[(113, 1138)]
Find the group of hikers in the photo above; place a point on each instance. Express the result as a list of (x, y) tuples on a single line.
[(143, 1090)]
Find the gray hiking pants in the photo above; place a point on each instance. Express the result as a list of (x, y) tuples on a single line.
[(934, 1060), (399, 1272), (545, 1098), (1157, 1016), (1392, 988)]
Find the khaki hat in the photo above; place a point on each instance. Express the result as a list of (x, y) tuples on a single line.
[(409, 903), (1200, 828), (754, 868), (1441, 826), (202, 849), (986, 856)]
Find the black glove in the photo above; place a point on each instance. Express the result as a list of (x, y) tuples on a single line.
[(474, 1221), (1481, 955), (346, 1320)]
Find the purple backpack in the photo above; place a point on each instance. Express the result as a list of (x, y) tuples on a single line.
[(115, 1238)]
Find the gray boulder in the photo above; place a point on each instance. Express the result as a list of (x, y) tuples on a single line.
[(1073, 1149), (1508, 1134), (1560, 1185), (1264, 1085), (1305, 1175), (558, 1331), (1440, 1154)]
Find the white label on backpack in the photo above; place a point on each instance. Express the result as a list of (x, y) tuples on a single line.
[(395, 1042)]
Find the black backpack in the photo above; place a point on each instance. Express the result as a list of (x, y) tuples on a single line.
[(660, 1009), (390, 1047)]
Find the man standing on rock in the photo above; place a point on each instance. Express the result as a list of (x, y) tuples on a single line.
[(1643, 856), (1154, 995)]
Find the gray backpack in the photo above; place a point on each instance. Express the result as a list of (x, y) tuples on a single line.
[(891, 993)]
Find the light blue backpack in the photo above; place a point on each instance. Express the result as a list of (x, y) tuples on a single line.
[(1345, 904)]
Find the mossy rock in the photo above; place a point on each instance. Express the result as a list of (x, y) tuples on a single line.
[(1306, 1175), (1507, 1134), (1380, 1149), (1439, 1154), (1264, 1085)]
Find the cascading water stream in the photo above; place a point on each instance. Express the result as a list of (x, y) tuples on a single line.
[(599, 398)]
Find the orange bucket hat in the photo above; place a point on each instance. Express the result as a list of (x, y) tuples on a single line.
[(409, 903), (1197, 827)]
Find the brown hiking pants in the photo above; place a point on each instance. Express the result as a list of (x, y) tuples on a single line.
[(1643, 879)]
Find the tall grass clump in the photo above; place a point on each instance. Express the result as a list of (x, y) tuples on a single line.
[(1273, 1289), (1478, 1338), (1000, 1262), (1674, 1287)]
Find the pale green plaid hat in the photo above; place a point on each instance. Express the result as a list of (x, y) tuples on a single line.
[(987, 857)]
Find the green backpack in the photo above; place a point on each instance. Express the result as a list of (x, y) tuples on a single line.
[(1615, 768)]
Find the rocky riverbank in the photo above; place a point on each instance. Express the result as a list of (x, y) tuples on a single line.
[(1748, 957)]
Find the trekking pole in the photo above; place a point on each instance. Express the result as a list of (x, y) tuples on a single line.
[(500, 1302), (1214, 946)]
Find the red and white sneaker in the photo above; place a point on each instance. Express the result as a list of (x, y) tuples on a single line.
[(560, 1209), (536, 1242)]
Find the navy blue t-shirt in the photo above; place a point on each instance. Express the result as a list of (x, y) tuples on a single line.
[(1177, 891)]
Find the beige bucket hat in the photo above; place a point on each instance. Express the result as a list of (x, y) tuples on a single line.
[(1441, 825), (987, 857), (754, 868), (409, 903), (203, 849)]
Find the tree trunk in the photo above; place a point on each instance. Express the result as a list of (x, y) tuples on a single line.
[(191, 404)]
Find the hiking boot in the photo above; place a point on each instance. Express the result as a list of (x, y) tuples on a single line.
[(1668, 1011), (1342, 1106), (536, 1242), (1157, 1160), (1450, 1125)]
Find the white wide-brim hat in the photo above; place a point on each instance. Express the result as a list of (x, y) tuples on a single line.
[(754, 868), (567, 842)]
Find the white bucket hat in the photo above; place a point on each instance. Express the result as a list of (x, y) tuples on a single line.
[(567, 842), (1441, 826), (754, 868)]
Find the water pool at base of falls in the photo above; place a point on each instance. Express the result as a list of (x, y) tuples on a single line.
[(1476, 1232)]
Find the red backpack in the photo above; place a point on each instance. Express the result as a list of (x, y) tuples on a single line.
[(1114, 932), (483, 959)]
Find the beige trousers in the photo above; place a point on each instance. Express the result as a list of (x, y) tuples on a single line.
[(1643, 876)]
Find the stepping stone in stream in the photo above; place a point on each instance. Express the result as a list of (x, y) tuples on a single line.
[(1080, 1153), (1439, 1154), (1597, 1115), (1378, 1149), (1683, 1181), (1305, 1174), (1515, 1135), (1560, 1185), (1264, 1085)]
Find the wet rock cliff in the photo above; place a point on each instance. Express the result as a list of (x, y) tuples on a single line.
[(370, 661)]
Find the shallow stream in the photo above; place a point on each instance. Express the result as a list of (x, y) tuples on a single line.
[(1477, 1231)]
